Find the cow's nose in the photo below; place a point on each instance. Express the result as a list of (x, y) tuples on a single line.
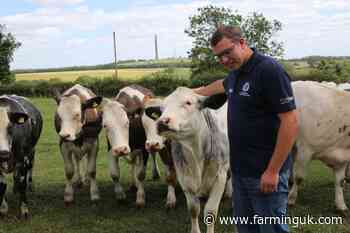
[(152, 147), (165, 120), (64, 135), (4, 154), (121, 151), (163, 125)]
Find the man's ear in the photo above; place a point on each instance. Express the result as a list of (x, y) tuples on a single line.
[(18, 117), (154, 112), (92, 103), (214, 101)]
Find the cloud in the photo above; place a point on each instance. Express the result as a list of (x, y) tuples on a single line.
[(307, 26), (56, 3)]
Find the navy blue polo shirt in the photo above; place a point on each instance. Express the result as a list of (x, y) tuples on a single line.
[(257, 92)]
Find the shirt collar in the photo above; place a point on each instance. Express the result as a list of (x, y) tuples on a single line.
[(254, 59)]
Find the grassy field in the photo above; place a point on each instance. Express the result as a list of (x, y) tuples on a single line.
[(49, 215), (73, 75)]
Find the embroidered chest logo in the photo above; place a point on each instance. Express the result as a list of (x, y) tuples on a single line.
[(245, 89)]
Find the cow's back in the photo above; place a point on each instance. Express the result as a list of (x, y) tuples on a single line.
[(324, 113)]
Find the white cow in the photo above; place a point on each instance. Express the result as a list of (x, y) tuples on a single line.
[(78, 125), (324, 133), (200, 149)]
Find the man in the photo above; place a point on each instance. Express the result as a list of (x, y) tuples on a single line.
[(262, 127)]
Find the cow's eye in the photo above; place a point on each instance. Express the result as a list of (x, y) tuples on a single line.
[(77, 116)]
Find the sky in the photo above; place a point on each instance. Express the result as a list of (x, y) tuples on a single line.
[(60, 33)]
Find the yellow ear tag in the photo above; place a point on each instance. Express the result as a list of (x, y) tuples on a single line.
[(20, 120), (94, 105), (155, 115)]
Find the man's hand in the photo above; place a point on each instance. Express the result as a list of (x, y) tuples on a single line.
[(269, 182)]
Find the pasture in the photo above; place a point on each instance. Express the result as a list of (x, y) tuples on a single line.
[(48, 213), (128, 74)]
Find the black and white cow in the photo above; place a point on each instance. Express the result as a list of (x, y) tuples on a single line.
[(20, 129), (126, 136), (78, 124), (200, 149)]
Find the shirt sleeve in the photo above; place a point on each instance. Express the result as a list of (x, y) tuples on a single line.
[(276, 87), (225, 83)]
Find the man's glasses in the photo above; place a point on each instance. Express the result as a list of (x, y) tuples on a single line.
[(224, 53)]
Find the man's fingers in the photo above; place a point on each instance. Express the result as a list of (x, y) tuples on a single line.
[(267, 188)]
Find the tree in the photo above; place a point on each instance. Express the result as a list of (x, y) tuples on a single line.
[(8, 44), (258, 32)]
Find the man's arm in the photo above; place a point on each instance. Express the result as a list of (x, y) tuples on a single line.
[(215, 87), (287, 134)]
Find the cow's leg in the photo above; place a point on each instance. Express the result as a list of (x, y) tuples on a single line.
[(138, 177), (84, 171), (347, 173), (30, 184), (212, 205), (21, 186), (142, 173), (115, 175), (299, 169), (77, 182), (3, 203), (194, 207), (155, 168), (170, 178), (228, 189), (91, 171), (339, 184), (69, 172)]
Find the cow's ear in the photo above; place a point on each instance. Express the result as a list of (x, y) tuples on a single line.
[(214, 101), (56, 95), (18, 117), (154, 112), (92, 103)]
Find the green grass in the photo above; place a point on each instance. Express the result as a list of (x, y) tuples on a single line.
[(48, 214)]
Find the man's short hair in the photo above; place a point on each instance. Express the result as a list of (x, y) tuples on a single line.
[(231, 32)]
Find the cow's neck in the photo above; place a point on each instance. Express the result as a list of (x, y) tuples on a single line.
[(198, 145)]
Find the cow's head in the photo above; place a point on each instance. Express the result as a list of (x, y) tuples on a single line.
[(180, 112), (116, 123), (154, 142), (8, 121), (132, 104), (73, 114)]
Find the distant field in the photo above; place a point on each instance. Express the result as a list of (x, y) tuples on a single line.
[(73, 75)]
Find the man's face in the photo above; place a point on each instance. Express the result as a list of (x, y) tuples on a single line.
[(229, 53)]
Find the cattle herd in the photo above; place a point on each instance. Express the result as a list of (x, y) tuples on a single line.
[(187, 131)]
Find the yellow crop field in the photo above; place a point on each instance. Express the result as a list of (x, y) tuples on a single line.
[(73, 75)]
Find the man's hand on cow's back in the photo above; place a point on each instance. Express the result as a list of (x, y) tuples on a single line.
[(215, 87)]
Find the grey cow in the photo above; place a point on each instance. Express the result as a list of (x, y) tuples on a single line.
[(20, 129)]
